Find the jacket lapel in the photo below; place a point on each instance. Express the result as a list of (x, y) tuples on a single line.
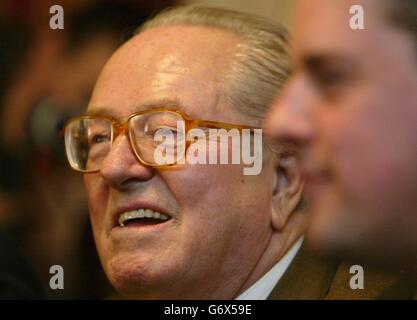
[(307, 278)]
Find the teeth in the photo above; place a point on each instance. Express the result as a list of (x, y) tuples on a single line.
[(141, 213), (148, 213)]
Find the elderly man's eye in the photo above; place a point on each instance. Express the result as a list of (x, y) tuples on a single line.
[(167, 130), (162, 131), (98, 138)]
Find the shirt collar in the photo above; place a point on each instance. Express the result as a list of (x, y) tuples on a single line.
[(262, 288)]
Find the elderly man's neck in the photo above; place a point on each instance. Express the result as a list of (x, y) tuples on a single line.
[(280, 243)]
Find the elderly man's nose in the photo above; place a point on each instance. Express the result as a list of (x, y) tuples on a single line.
[(289, 117), (121, 169)]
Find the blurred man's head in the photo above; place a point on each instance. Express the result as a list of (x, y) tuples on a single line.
[(351, 105), (210, 231)]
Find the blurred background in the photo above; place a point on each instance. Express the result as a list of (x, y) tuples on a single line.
[(46, 76)]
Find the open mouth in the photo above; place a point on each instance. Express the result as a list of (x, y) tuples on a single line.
[(142, 217)]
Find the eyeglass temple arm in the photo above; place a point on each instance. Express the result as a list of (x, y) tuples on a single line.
[(219, 125)]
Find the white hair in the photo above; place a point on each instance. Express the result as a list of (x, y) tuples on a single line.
[(260, 66)]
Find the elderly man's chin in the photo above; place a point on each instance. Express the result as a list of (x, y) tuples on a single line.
[(138, 263), (139, 275)]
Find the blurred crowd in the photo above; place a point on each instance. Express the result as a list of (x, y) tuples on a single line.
[(46, 76)]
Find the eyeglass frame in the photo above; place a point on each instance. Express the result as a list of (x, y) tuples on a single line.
[(121, 127)]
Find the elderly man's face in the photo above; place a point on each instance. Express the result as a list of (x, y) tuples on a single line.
[(219, 220), (352, 105)]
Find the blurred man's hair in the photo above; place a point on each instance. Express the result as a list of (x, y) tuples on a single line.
[(403, 13), (260, 66)]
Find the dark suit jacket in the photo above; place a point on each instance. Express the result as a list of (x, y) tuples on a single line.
[(17, 278), (310, 277)]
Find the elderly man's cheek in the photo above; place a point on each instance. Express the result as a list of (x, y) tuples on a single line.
[(206, 185), (208, 198), (97, 196)]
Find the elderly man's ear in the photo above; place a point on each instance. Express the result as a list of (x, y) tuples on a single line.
[(287, 189)]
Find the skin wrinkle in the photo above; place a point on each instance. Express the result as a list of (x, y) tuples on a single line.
[(268, 240), (168, 69)]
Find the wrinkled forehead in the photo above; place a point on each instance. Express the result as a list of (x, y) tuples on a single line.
[(191, 47), (178, 63)]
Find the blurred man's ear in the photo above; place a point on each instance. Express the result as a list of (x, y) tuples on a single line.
[(287, 189)]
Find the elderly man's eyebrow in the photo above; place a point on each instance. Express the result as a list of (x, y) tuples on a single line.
[(169, 103), (100, 110)]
